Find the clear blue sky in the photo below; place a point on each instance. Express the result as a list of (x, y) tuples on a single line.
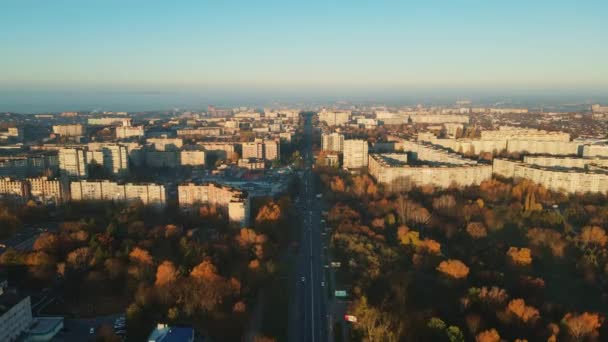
[(303, 44)]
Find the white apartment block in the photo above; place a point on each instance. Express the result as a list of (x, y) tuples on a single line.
[(556, 179), (595, 151), (47, 190), (161, 159), (147, 193), (355, 154), (15, 316), (334, 118), (200, 132), (392, 170), (272, 149), (109, 121), (124, 132), (333, 142), (566, 162), (528, 134), (14, 189), (165, 144), (75, 130), (555, 148), (430, 153), (114, 157), (234, 201), (73, 162), (224, 149), (254, 149), (192, 158), (425, 118)]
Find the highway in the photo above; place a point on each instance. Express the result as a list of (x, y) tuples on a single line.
[(310, 321)]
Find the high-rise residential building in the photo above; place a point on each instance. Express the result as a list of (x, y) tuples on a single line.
[(73, 162), (147, 193), (124, 132), (114, 157), (15, 190), (192, 158), (272, 149), (355, 154), (334, 118), (165, 144), (47, 190), (254, 149), (333, 142), (75, 130), (15, 316), (232, 200), (109, 121)]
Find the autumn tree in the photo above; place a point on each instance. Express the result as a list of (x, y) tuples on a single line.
[(270, 212), (540, 237), (488, 336), (525, 313), (477, 230), (141, 256), (520, 256), (165, 273), (582, 326), (79, 258), (453, 268), (204, 271), (46, 242)]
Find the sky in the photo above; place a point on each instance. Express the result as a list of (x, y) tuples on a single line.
[(309, 46)]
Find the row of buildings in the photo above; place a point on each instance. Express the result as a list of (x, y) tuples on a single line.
[(233, 201)]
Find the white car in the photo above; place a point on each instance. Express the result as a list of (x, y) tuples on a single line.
[(323, 284)]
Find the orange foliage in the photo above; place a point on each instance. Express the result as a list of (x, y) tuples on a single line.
[(269, 212), (477, 230), (488, 336), (453, 268), (204, 271), (254, 264), (140, 255), (583, 325), (527, 314), (593, 235), (520, 256), (165, 273), (431, 246), (337, 184)]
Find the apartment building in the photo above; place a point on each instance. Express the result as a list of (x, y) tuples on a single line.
[(165, 144), (31, 165), (234, 201), (109, 121), (147, 193), (124, 132), (554, 178), (222, 150), (75, 130), (113, 157), (272, 149), (200, 132), (355, 154), (15, 315), (162, 159), (252, 164), (47, 190), (527, 134), (596, 150), (254, 149), (333, 142), (393, 171), (192, 158), (73, 162), (334, 118), (15, 190)]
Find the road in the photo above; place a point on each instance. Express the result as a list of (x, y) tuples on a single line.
[(24, 239), (310, 318)]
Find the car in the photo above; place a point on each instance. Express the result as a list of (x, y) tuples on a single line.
[(323, 284)]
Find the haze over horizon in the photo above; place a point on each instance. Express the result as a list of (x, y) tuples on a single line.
[(67, 54)]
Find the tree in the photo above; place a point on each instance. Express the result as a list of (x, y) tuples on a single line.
[(79, 258), (453, 268), (477, 230), (488, 336), (375, 324), (270, 212), (46, 242), (520, 256), (141, 256), (581, 326), (525, 313), (204, 271), (593, 236), (165, 273), (540, 237)]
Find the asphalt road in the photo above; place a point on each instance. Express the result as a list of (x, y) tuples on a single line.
[(24, 239), (310, 319)]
